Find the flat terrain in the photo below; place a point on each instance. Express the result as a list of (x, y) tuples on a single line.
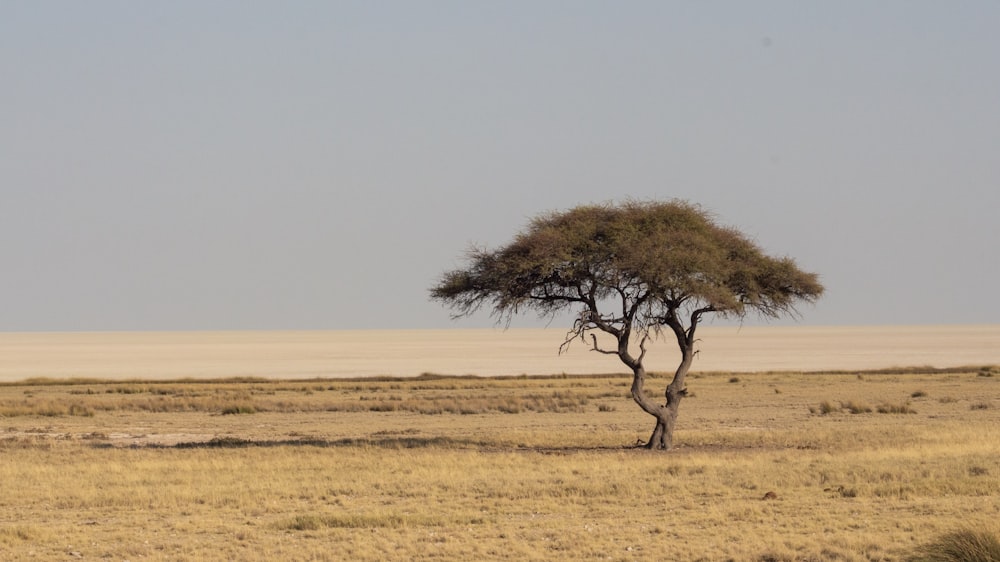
[(862, 466), (405, 353)]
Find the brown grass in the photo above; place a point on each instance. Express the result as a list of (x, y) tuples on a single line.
[(502, 469)]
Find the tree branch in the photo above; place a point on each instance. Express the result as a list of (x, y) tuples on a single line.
[(598, 349), (642, 347), (695, 318)]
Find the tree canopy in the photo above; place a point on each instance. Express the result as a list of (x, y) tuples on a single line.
[(629, 270)]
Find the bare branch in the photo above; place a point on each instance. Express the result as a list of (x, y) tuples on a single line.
[(642, 347), (695, 318), (598, 349)]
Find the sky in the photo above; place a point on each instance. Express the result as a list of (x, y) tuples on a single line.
[(243, 165)]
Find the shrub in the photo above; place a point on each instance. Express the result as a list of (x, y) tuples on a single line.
[(734, 379), (918, 394), (980, 406), (961, 546)]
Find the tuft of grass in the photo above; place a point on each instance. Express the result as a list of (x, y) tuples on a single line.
[(734, 379), (843, 491), (315, 522), (239, 409), (47, 408), (15, 533), (965, 545), (856, 407), (303, 523), (825, 408), (978, 471), (887, 408), (918, 394)]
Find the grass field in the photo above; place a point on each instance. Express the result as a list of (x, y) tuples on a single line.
[(768, 467)]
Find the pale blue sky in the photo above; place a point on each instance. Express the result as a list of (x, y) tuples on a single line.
[(306, 165)]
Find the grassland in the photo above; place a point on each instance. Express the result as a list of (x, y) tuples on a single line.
[(855, 467)]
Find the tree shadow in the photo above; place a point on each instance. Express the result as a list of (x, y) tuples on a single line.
[(387, 442), (379, 443)]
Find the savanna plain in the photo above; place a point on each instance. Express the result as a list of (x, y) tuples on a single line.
[(768, 466)]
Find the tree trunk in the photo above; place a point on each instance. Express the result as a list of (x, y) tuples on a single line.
[(663, 433), (665, 414)]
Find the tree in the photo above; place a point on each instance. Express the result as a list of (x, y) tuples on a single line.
[(634, 271)]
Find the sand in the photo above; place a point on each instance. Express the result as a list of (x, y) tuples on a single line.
[(307, 354)]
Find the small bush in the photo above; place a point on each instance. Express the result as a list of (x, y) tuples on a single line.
[(918, 394), (961, 546), (988, 371), (980, 406), (734, 379)]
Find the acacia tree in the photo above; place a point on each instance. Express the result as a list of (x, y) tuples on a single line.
[(634, 271)]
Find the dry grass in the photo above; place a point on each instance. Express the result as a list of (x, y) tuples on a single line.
[(513, 469), (966, 545), (425, 395)]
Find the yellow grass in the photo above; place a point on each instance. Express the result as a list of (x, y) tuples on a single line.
[(329, 470)]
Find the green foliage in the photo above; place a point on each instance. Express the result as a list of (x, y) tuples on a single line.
[(659, 257)]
